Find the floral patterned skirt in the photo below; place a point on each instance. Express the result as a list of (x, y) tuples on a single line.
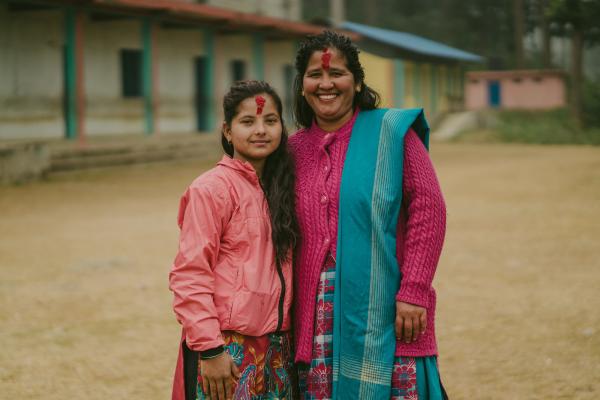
[(315, 379), (265, 364)]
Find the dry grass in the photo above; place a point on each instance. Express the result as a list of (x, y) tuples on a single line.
[(85, 309)]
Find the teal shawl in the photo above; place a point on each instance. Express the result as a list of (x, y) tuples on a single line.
[(367, 273)]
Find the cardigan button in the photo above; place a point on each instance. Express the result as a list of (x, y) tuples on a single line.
[(323, 199)]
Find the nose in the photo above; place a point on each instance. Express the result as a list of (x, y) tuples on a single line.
[(260, 127), (325, 83)]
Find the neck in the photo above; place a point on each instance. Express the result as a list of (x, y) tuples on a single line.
[(258, 165), (334, 125)]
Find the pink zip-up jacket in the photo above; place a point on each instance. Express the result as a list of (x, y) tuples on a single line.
[(224, 277), (319, 158)]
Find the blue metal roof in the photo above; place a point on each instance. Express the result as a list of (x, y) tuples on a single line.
[(410, 42)]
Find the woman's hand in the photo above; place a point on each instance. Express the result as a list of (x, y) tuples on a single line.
[(411, 321), (217, 376)]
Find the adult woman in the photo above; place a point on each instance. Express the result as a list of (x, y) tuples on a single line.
[(371, 236)]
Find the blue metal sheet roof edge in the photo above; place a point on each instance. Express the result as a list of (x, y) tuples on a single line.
[(410, 42)]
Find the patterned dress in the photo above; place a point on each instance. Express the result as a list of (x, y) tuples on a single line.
[(315, 379), (265, 364)]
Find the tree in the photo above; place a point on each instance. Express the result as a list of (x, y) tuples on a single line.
[(579, 20), (519, 26), (542, 6)]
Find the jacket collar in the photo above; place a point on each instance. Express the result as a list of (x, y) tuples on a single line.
[(244, 168)]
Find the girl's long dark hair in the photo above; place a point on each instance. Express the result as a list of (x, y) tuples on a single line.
[(278, 176), (366, 99)]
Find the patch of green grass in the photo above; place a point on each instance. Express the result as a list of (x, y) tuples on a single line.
[(536, 127)]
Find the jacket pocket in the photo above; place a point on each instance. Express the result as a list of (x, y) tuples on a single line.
[(253, 314)]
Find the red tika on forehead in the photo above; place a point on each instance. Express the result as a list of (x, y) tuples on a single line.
[(260, 104), (325, 58)]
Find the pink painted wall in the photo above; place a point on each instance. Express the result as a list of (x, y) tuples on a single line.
[(548, 92), (476, 94), (532, 90)]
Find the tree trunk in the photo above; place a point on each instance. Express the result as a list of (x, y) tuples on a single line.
[(577, 76), (337, 12), (519, 22), (370, 10), (545, 28)]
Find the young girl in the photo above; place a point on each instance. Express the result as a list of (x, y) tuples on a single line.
[(232, 275)]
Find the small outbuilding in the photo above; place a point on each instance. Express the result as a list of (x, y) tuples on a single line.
[(517, 89)]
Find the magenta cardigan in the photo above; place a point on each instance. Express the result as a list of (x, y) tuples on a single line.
[(319, 158)]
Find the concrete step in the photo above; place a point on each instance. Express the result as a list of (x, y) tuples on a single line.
[(125, 152)]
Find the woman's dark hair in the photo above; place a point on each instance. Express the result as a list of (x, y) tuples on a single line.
[(278, 177), (366, 99)]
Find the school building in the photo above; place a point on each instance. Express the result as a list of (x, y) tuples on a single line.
[(88, 68), (412, 71)]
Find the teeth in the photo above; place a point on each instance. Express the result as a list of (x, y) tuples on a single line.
[(327, 96)]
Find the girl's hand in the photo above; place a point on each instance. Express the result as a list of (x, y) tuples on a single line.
[(411, 321), (217, 376)]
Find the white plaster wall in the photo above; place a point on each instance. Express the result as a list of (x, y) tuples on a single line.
[(176, 50), (278, 54), (287, 9), (107, 112), (227, 49), (31, 74)]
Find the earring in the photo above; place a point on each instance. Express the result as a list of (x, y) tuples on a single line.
[(358, 89), (303, 93)]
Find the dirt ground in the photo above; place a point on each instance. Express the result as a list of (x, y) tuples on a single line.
[(86, 313)]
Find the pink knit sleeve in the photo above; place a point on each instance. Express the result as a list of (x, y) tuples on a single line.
[(425, 225)]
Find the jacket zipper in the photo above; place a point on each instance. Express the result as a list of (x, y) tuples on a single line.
[(281, 297)]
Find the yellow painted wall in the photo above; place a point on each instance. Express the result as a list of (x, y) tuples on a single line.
[(409, 93), (379, 75), (425, 72), (419, 79), (443, 88)]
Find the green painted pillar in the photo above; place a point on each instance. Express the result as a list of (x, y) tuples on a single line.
[(434, 89), (398, 83), (258, 55), (209, 83), (147, 76), (70, 74), (73, 73)]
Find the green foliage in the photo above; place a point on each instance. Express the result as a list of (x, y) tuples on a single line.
[(580, 15), (535, 127), (591, 103)]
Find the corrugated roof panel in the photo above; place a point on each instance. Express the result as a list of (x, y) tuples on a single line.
[(410, 42)]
